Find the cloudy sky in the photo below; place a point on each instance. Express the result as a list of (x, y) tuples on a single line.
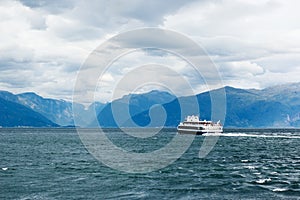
[(43, 44)]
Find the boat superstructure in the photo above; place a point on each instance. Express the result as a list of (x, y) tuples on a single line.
[(192, 124)]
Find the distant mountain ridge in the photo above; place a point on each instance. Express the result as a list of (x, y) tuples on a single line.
[(16, 115), (131, 105), (59, 112), (277, 106), (270, 107)]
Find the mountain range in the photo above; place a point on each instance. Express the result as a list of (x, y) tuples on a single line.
[(277, 106), (58, 112)]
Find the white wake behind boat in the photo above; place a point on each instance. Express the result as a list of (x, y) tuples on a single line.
[(193, 125)]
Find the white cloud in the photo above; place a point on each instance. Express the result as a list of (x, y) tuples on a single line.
[(140, 71), (43, 43), (251, 41), (53, 38), (241, 69)]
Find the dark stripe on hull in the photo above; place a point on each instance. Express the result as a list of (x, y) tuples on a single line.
[(191, 132)]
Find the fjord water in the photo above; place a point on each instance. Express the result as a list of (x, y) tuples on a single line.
[(54, 164)]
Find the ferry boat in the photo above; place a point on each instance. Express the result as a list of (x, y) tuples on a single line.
[(194, 125)]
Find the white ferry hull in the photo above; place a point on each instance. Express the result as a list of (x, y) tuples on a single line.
[(196, 131)]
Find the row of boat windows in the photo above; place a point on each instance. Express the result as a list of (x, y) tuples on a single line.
[(203, 123), (190, 127)]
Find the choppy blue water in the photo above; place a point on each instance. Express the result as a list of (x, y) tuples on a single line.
[(244, 164)]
